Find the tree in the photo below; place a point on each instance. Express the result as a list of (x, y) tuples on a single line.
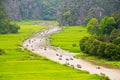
[(116, 41), (107, 24), (117, 18), (92, 26), (5, 26), (114, 34), (4, 22), (106, 43)]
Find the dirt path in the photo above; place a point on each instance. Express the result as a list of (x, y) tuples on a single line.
[(39, 44)]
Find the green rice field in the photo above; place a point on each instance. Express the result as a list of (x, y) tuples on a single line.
[(20, 64), (69, 38)]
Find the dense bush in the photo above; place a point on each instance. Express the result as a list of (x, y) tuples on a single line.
[(14, 28), (83, 44), (8, 28), (5, 25), (97, 48), (116, 41), (2, 52)]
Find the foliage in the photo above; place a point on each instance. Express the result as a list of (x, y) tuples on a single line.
[(13, 28), (114, 34), (116, 41), (97, 48), (105, 43), (105, 30), (5, 26), (107, 24), (32, 9), (92, 26), (117, 18), (80, 12), (2, 52)]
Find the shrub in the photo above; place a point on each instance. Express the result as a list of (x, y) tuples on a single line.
[(101, 49), (14, 28), (116, 41), (82, 43), (112, 52), (74, 45), (2, 52), (97, 48)]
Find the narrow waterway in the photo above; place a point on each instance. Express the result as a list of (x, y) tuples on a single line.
[(38, 43)]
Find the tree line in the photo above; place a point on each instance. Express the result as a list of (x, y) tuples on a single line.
[(32, 9), (105, 38), (79, 12)]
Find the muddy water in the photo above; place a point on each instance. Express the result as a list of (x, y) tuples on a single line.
[(39, 44)]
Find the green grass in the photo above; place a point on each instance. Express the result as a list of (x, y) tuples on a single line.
[(68, 37), (34, 22), (41, 70), (17, 64)]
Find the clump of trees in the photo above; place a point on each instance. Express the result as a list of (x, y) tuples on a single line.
[(5, 25), (105, 38), (98, 48)]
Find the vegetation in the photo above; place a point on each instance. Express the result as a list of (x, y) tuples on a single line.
[(5, 26), (102, 44), (41, 69), (101, 49), (99, 61), (20, 64), (101, 41), (68, 12), (2, 52), (32, 9), (77, 12), (69, 37)]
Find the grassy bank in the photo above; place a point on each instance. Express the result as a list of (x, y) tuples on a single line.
[(19, 64), (70, 36), (99, 61)]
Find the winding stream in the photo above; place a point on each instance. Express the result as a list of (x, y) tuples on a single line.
[(38, 43)]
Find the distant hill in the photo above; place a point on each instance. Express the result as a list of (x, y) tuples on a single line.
[(32, 9), (77, 12), (68, 12)]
